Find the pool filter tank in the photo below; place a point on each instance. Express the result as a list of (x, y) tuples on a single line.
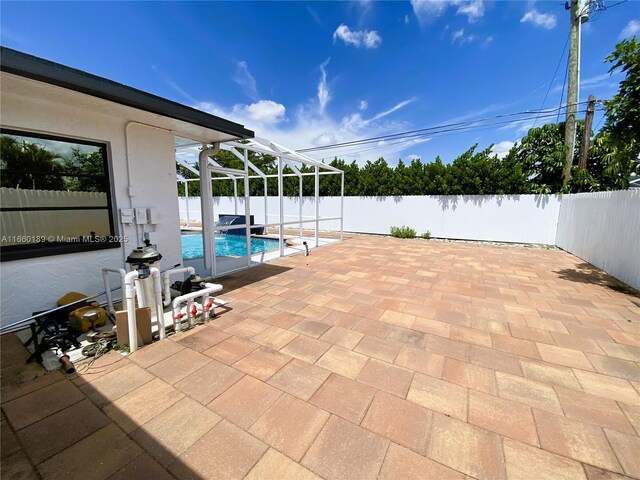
[(142, 259)]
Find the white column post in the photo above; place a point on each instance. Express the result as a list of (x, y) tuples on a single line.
[(235, 196), (247, 210), (186, 199), (300, 205), (341, 205), (317, 205), (281, 199), (266, 201), (206, 201)]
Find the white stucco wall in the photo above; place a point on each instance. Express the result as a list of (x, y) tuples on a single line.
[(511, 218), (35, 284), (603, 229)]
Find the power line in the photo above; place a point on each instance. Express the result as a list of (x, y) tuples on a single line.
[(564, 84), (564, 49), (448, 131), (440, 128)]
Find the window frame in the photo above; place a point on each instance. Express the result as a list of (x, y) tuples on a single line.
[(21, 252)]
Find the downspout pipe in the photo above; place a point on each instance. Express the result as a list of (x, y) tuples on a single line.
[(105, 275), (166, 281)]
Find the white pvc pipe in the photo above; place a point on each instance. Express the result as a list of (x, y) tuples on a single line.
[(130, 293), (208, 289), (157, 290), (105, 275), (166, 281)]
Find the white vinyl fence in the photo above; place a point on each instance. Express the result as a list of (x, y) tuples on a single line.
[(603, 229), (37, 223), (510, 218)]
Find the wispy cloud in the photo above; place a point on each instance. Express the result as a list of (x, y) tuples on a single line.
[(363, 105), (473, 10), (169, 81), (316, 16), (428, 10), (406, 19), (591, 81), (243, 77), (543, 20), (395, 108), (460, 37), (632, 28), (357, 38), (324, 94), (307, 127)]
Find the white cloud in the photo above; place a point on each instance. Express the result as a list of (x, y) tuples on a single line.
[(357, 38), (427, 10), (243, 77), (264, 111), (473, 10), (324, 94), (412, 157), (632, 28), (544, 20), (406, 19), (307, 127), (363, 105), (501, 149), (461, 38)]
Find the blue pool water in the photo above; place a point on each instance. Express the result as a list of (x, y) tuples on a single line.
[(226, 245)]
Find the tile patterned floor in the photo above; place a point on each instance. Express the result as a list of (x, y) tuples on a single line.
[(372, 358)]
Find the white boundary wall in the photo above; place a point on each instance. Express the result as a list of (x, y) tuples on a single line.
[(509, 218), (603, 229)]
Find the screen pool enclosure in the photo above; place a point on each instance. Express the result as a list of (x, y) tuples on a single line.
[(257, 216)]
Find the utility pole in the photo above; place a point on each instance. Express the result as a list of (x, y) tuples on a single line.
[(586, 137), (574, 84)]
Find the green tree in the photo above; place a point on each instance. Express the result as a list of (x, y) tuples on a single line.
[(623, 110), (435, 174), (85, 171), (376, 179), (28, 165)]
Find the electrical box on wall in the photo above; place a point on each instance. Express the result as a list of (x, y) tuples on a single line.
[(126, 216), (141, 216), (154, 216)]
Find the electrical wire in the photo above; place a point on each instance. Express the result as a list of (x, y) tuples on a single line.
[(414, 137), (564, 49), (443, 128), (564, 84)]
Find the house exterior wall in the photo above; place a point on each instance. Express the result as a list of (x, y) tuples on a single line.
[(35, 284), (510, 218), (603, 228)]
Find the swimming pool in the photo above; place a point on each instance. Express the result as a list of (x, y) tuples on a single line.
[(226, 245)]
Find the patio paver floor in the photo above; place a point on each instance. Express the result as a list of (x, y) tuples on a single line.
[(372, 358)]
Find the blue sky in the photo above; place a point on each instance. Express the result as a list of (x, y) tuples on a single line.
[(307, 74)]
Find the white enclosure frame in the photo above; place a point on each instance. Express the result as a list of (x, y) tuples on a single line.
[(286, 158)]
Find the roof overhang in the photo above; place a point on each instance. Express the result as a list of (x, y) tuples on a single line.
[(35, 68)]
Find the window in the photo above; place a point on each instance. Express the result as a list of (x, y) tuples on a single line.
[(54, 196)]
